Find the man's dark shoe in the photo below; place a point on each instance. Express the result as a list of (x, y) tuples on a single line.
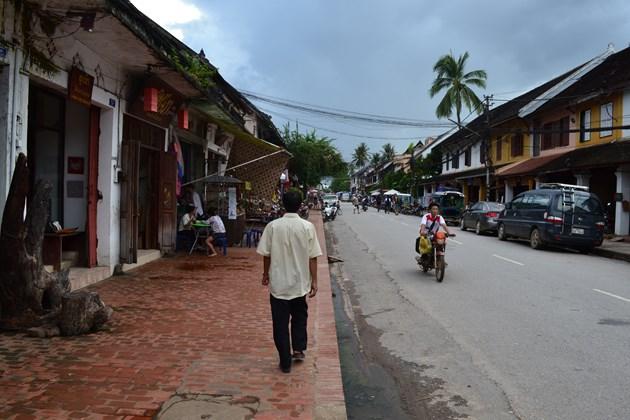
[(285, 369), (298, 356)]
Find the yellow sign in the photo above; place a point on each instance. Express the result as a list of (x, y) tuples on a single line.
[(248, 186)]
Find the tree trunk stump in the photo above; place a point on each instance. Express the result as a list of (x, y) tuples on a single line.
[(29, 295)]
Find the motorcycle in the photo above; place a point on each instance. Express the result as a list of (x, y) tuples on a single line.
[(330, 212), (365, 206), (434, 259)]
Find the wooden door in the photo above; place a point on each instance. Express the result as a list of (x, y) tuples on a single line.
[(167, 202), (129, 202), (92, 193)]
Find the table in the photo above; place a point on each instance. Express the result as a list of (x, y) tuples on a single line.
[(52, 248), (199, 228)]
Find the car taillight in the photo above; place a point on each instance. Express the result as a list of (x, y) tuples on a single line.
[(554, 220), (492, 214), (600, 225)]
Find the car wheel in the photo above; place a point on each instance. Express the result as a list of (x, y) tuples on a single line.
[(534, 239), (501, 233), (462, 224), (478, 228)]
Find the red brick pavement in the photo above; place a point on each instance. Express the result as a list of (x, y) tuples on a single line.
[(181, 325)]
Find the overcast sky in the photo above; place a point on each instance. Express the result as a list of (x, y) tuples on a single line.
[(376, 56)]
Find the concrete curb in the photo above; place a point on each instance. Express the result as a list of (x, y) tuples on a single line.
[(611, 254), (330, 403)]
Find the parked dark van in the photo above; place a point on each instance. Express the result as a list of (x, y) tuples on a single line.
[(555, 214)]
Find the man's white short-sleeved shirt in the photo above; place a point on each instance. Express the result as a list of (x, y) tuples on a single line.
[(290, 242)]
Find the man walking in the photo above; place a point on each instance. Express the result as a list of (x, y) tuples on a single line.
[(290, 248), (355, 204)]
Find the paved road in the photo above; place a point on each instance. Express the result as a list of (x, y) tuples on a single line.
[(511, 333)]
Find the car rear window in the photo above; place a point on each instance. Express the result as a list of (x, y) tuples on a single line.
[(584, 203), (495, 207)]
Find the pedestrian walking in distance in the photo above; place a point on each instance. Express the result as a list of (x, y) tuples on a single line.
[(290, 248)]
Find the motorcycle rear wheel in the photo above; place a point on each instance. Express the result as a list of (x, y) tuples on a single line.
[(439, 268)]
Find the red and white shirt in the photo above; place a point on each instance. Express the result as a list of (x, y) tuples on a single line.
[(428, 220)]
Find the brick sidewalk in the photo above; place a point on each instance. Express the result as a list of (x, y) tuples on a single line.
[(181, 325)]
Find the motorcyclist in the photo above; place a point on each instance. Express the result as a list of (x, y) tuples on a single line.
[(432, 222)]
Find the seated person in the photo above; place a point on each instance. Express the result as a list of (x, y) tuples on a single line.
[(185, 232), (218, 231)]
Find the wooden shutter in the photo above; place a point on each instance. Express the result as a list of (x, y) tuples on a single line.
[(167, 202), (92, 192), (564, 135), (129, 202)]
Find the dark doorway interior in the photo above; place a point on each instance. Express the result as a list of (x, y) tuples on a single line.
[(148, 205)]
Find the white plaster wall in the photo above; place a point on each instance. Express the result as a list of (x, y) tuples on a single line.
[(108, 209)]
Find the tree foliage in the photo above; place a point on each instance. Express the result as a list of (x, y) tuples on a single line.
[(360, 155), (314, 157), (376, 159), (340, 183), (452, 77), (388, 152)]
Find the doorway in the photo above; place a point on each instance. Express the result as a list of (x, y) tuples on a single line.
[(148, 173)]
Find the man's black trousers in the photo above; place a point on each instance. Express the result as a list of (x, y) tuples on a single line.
[(283, 313)]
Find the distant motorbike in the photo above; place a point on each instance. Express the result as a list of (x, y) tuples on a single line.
[(365, 206), (435, 259), (330, 212)]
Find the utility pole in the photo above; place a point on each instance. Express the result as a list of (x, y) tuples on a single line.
[(487, 140)]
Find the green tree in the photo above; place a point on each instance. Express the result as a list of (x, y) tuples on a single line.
[(314, 157), (376, 159), (361, 155), (340, 183), (410, 148), (388, 152), (452, 77)]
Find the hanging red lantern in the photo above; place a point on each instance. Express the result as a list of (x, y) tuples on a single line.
[(150, 99), (182, 119)]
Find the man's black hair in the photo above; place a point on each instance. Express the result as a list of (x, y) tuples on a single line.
[(212, 211), (434, 204), (292, 201)]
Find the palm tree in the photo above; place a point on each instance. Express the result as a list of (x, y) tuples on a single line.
[(360, 155), (388, 152), (376, 159), (451, 76)]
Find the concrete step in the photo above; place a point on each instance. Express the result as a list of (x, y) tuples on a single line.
[(81, 277), (144, 256)]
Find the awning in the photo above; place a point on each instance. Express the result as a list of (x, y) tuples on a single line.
[(217, 116), (392, 192), (529, 166), (604, 155), (375, 193)]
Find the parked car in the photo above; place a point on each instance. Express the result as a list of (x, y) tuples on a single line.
[(482, 217), (555, 214), (330, 198)]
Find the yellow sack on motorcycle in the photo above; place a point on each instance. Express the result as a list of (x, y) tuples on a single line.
[(423, 245)]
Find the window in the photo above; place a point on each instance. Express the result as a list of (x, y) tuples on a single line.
[(585, 124), (482, 152), (555, 134), (456, 160), (499, 146), (517, 145), (517, 203), (537, 138), (536, 201), (448, 161), (606, 119), (468, 157)]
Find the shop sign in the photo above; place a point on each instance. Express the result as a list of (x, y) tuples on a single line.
[(80, 85)]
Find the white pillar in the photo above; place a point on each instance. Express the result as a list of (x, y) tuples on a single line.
[(509, 192), (622, 218), (108, 210), (583, 179), (537, 182)]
